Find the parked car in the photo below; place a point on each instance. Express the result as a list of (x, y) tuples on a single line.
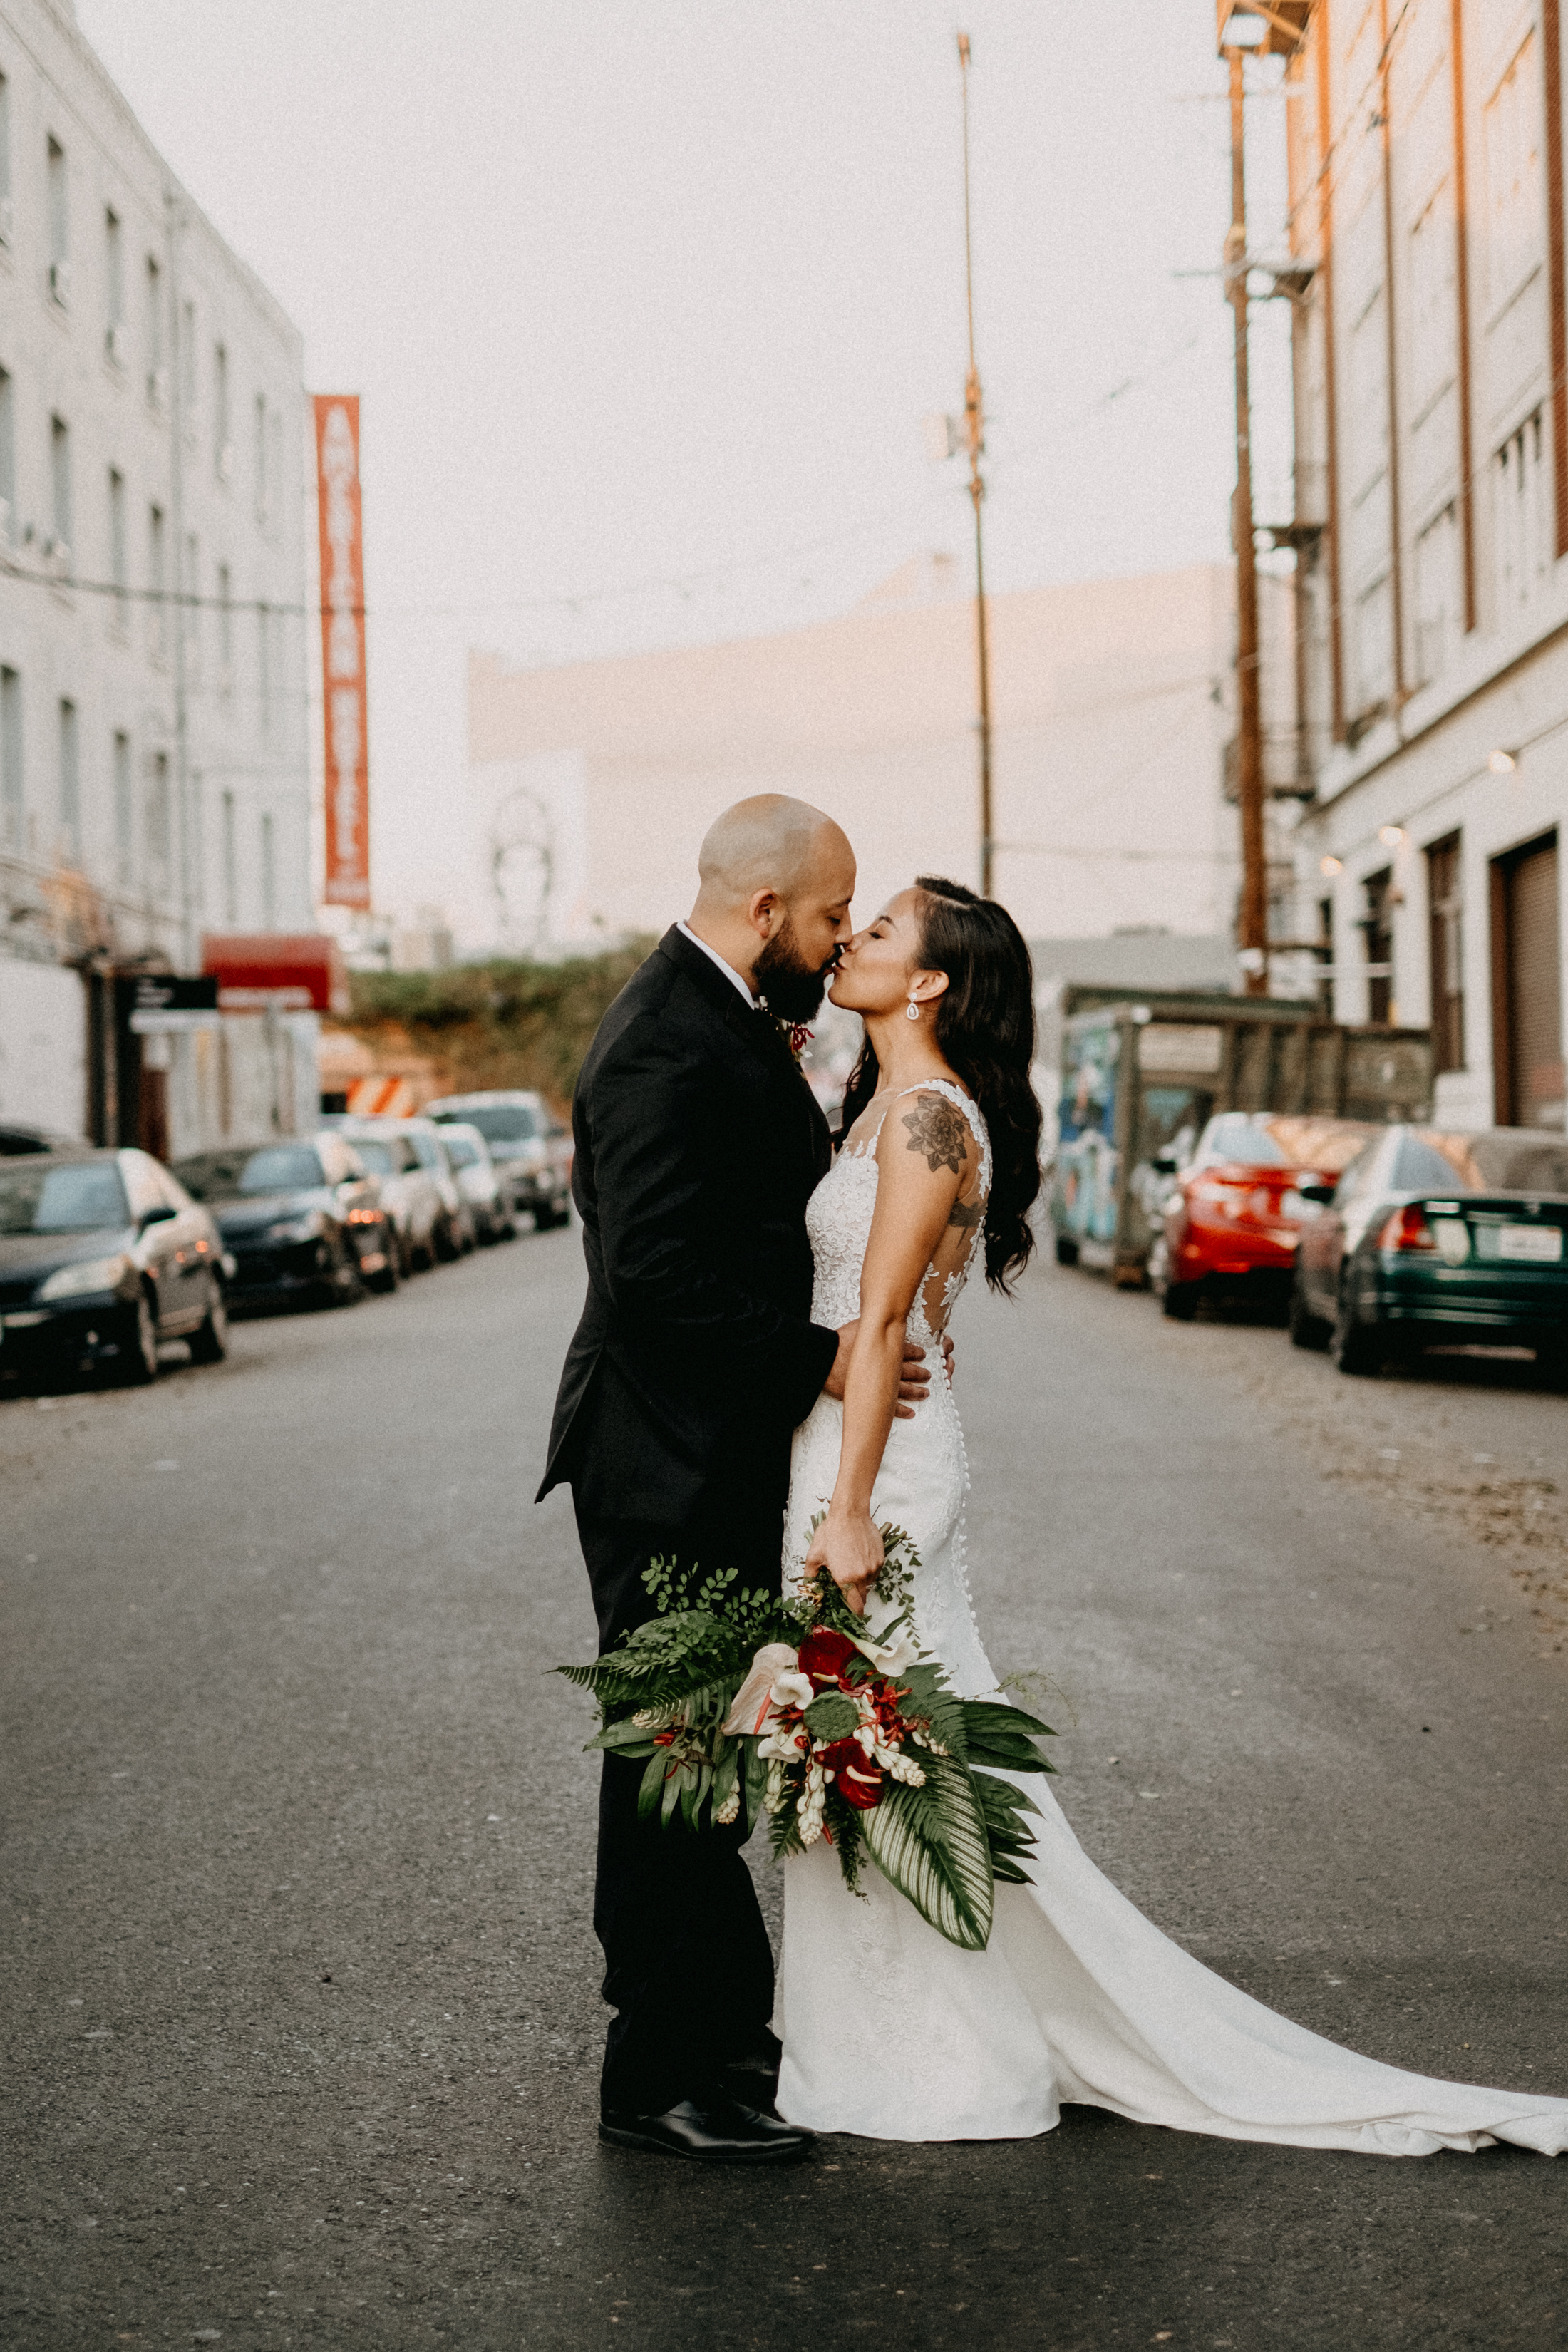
[(301, 1218), (480, 1182), (1233, 1214), (16, 1141), (412, 1193), (102, 1255), (530, 1145), (1434, 1237)]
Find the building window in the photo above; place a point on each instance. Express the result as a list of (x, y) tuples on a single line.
[(1372, 648), (190, 603), (1377, 930), (261, 482), (113, 286), (230, 864), (70, 785), (7, 458), (125, 814), (1438, 595), (11, 801), (1445, 917), (269, 878), (1513, 121), (225, 627), (188, 385), (157, 580), (58, 225), (119, 549), (223, 446), (1522, 510), (157, 362), (60, 483), (1326, 957), (160, 831)]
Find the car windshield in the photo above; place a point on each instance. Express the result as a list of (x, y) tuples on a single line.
[(1501, 1160), (81, 1199), (461, 1150), (376, 1153), (278, 1168), (500, 1122), (1234, 1136), (1420, 1165)]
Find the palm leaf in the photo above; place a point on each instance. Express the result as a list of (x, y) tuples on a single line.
[(930, 1844)]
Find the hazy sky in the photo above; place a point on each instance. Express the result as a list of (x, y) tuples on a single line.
[(645, 299)]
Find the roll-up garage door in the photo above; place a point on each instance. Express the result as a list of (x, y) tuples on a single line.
[(1530, 1083)]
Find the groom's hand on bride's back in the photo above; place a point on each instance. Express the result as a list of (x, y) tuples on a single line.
[(915, 1381)]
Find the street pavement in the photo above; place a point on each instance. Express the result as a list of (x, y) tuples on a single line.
[(301, 1988)]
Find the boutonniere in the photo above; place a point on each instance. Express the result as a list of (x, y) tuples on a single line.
[(797, 1037)]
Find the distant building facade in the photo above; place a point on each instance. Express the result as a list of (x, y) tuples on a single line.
[(1432, 479), (154, 776), (593, 784)]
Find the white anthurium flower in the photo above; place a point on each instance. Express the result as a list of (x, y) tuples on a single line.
[(889, 1657), (750, 1708), (792, 1690)]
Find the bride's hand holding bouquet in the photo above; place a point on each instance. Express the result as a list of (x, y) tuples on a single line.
[(849, 1545)]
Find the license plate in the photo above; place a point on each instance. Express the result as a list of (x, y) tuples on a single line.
[(1532, 1244)]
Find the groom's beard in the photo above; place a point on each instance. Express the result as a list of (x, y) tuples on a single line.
[(792, 989)]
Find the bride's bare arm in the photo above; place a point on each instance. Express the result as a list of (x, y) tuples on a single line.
[(925, 1156)]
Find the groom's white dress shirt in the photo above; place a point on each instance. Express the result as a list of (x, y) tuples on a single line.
[(713, 956)]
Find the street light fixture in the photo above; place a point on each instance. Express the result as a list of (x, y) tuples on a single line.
[(1503, 763)]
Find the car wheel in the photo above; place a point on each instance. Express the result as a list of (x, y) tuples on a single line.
[(1067, 1250), (209, 1340), (343, 1286), (1180, 1300), (387, 1279), (1357, 1348), (139, 1345), (1307, 1329), (445, 1242)]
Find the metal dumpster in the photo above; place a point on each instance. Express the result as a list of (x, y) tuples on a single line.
[(1139, 1076)]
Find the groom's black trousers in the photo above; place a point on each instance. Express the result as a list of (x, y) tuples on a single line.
[(688, 1965)]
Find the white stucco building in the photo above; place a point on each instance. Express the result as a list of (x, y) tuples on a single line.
[(154, 779), (1432, 481), (591, 783)]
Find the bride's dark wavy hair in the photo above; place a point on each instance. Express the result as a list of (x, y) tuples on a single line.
[(985, 1029)]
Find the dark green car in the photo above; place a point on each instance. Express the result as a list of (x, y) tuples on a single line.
[(1433, 1238)]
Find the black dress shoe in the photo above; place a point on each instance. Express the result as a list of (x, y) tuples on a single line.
[(714, 2131)]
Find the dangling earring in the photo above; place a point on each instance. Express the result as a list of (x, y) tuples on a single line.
[(912, 1011)]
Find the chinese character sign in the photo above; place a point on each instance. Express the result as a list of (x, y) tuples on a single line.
[(342, 650)]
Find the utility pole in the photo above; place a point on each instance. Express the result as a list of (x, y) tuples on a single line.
[(1249, 726), (975, 434)]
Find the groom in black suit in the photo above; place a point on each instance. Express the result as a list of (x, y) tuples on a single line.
[(698, 1145)]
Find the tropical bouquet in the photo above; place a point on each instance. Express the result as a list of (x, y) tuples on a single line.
[(747, 1705)]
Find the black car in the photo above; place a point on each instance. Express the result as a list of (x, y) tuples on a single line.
[(302, 1219), (103, 1254)]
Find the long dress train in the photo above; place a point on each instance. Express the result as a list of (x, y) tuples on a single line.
[(891, 2031)]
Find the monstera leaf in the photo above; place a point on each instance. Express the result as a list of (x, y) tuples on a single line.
[(930, 1843)]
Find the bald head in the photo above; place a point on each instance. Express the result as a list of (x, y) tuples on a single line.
[(777, 877), (768, 842)]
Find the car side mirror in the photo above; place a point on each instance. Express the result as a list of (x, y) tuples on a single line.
[(1320, 1195), (1164, 1163), (158, 1215)]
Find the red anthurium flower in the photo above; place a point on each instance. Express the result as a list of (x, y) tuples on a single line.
[(824, 1655), (856, 1779)]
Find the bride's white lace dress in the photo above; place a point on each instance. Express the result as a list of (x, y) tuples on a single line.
[(892, 2031)]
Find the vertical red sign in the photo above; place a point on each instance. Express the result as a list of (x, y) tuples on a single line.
[(342, 650)]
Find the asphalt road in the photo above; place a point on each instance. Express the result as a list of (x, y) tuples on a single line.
[(299, 1989)]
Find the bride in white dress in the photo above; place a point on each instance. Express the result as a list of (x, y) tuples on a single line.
[(890, 2031)]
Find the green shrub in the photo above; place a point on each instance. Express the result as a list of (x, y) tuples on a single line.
[(501, 1023)]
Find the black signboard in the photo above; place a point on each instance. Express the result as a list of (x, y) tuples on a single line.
[(167, 991)]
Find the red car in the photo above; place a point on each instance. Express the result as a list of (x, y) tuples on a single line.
[(1234, 1218)]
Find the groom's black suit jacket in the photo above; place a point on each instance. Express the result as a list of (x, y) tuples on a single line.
[(699, 1143)]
